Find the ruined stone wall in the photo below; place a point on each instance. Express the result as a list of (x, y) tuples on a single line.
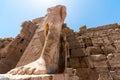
[(77, 58), (14, 50), (95, 53), (35, 46), (3, 43)]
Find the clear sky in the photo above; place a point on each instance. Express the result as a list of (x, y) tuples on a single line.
[(79, 12)]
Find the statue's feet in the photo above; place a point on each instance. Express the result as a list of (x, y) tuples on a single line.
[(37, 67)]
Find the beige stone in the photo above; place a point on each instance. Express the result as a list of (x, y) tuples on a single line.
[(48, 46), (52, 27), (98, 57), (13, 51)]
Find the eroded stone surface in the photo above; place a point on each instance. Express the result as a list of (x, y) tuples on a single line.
[(99, 48), (14, 50), (36, 77), (49, 51)]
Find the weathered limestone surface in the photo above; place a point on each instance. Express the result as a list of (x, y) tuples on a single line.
[(14, 48), (35, 46), (3, 43), (99, 50), (39, 77), (45, 45)]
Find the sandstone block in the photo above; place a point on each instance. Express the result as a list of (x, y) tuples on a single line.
[(83, 29), (87, 74), (98, 57), (74, 63), (115, 61), (77, 52)]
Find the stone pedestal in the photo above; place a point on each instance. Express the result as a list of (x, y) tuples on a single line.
[(35, 77)]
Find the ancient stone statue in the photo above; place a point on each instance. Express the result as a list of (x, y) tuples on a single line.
[(46, 45), (49, 56)]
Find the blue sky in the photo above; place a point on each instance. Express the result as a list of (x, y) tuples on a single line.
[(79, 12)]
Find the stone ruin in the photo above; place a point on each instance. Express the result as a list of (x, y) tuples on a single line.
[(47, 49)]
